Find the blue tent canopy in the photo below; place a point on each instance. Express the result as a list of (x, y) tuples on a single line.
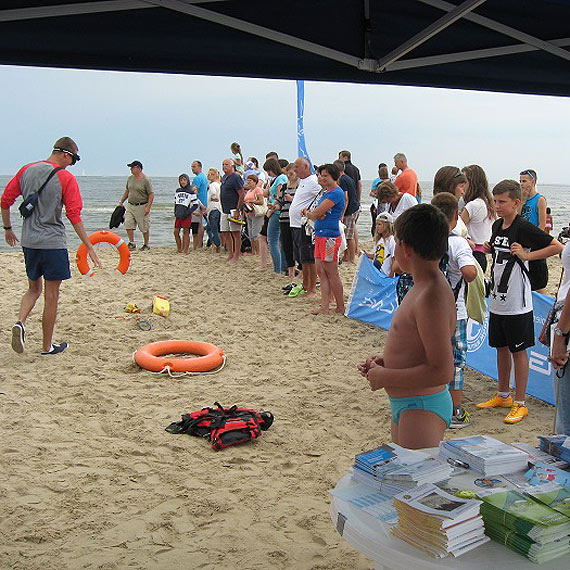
[(516, 46)]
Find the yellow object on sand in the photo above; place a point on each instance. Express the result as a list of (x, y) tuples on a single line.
[(160, 306), (132, 308)]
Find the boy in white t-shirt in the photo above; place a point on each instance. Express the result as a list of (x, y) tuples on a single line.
[(514, 242), (460, 269)]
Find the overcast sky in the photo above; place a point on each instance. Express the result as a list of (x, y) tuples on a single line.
[(166, 121)]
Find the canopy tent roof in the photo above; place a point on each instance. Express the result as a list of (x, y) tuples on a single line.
[(515, 46)]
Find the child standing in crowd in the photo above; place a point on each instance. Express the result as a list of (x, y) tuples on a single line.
[(459, 267), (383, 255), (237, 157), (327, 216), (514, 242), (185, 203), (417, 363)]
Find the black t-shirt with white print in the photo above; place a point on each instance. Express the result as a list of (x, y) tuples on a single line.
[(517, 299)]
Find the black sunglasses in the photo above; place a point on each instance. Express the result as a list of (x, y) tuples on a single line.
[(527, 173), (74, 157), (458, 174)]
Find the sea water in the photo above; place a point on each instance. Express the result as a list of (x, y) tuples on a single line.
[(102, 193)]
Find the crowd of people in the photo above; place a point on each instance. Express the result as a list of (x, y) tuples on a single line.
[(305, 218)]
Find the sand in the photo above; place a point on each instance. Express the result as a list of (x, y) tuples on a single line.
[(92, 480)]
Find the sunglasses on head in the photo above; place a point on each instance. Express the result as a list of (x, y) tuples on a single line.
[(74, 157), (458, 174), (527, 173)]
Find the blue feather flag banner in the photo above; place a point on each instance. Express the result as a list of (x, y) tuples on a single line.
[(301, 146)]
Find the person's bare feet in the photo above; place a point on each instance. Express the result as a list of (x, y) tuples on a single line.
[(339, 310), (319, 311), (310, 294), (262, 268)]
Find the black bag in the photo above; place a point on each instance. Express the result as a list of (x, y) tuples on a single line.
[(29, 204)]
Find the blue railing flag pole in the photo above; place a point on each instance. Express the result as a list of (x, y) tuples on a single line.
[(301, 147)]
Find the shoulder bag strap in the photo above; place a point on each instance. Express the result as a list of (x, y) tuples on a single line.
[(58, 168)]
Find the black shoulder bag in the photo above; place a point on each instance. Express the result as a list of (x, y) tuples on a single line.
[(29, 204)]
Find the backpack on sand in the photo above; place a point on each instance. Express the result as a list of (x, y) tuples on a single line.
[(223, 426)]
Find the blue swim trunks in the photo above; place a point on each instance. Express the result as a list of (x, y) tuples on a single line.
[(51, 264), (439, 403)]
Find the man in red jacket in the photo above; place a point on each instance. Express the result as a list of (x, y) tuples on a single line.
[(44, 240)]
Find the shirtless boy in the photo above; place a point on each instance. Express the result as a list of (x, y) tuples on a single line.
[(417, 363)]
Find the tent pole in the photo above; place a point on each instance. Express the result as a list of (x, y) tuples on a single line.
[(452, 16)]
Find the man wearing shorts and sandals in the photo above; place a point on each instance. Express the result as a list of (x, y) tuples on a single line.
[(139, 195), (303, 248), (43, 235), (232, 195)]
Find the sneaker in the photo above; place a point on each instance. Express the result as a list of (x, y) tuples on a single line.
[(18, 337), (296, 291), (460, 419), (56, 348), (145, 247), (132, 246), (497, 402), (517, 413), (288, 287)]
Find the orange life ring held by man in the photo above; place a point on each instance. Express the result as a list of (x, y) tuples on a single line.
[(109, 237), (151, 357)]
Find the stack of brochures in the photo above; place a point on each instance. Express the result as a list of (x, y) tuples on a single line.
[(438, 523), (557, 445), (485, 454), (543, 473), (392, 469), (532, 528), (536, 455)]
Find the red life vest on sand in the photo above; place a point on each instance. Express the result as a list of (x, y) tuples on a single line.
[(223, 426)]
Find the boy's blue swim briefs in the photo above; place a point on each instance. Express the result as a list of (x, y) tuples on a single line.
[(439, 403)]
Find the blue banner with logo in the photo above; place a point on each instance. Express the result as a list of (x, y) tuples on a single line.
[(373, 300), (373, 296), (301, 146)]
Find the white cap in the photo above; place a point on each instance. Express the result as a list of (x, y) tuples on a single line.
[(385, 217)]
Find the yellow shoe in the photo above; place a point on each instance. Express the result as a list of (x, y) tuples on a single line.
[(497, 402), (517, 413)]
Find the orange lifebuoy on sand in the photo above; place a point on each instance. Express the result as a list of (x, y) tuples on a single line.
[(109, 237), (151, 357)]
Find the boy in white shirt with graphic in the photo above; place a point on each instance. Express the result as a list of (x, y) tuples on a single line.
[(514, 242)]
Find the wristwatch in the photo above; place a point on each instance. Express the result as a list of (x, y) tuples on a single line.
[(560, 332)]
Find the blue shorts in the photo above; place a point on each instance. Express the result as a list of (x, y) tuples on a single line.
[(439, 403), (51, 264)]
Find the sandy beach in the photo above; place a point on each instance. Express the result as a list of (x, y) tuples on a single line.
[(91, 478)]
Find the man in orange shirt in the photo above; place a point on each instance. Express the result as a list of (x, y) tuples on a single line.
[(407, 181)]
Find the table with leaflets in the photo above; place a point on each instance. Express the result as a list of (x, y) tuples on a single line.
[(368, 534)]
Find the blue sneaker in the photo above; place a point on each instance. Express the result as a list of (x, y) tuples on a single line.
[(56, 348), (18, 337)]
